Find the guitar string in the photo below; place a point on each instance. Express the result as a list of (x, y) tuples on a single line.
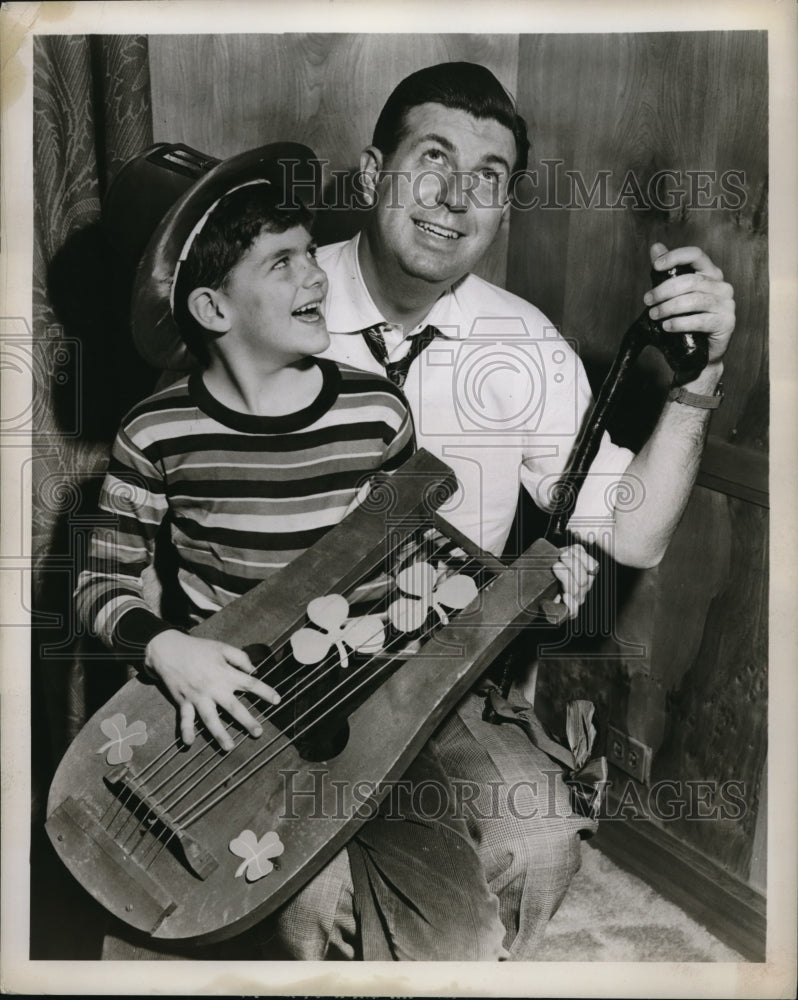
[(309, 679), (346, 682), (265, 747), (186, 818), (409, 549), (144, 813), (157, 764), (199, 758), (150, 772), (411, 545), (214, 758)]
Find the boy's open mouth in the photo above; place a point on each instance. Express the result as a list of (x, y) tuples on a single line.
[(310, 311)]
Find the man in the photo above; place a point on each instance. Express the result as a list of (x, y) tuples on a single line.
[(403, 301)]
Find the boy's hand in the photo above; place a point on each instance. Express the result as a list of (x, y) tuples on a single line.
[(202, 676)]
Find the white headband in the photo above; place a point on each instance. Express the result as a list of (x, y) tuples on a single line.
[(198, 229)]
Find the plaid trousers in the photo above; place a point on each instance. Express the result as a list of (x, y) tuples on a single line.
[(518, 840)]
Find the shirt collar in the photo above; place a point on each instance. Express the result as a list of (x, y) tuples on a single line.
[(350, 307)]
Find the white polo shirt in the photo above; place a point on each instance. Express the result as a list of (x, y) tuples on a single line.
[(500, 397)]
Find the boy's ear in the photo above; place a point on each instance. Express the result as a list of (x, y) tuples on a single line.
[(209, 308), (371, 161)]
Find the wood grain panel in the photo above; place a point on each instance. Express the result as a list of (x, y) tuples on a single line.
[(645, 103), (698, 697), (713, 669), (632, 105), (225, 93)]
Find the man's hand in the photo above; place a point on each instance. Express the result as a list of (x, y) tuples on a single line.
[(704, 294), (202, 676), (576, 571)]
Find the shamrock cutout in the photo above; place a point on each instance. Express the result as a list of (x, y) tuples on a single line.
[(422, 592), (330, 613), (122, 738), (256, 853)]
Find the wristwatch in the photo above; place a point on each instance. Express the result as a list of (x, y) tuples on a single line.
[(680, 395)]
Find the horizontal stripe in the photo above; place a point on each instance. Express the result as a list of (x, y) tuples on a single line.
[(268, 445), (204, 598), (266, 515), (161, 426), (255, 464), (240, 504), (126, 477), (108, 617), (250, 526), (275, 541), (360, 456), (215, 579), (268, 489)]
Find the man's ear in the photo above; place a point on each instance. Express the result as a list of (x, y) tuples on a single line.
[(370, 166), (210, 309)]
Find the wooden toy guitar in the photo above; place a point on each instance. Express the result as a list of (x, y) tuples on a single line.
[(371, 637)]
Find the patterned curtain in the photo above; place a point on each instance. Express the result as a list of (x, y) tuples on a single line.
[(92, 111)]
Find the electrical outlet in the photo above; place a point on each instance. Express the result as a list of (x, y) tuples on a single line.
[(629, 755)]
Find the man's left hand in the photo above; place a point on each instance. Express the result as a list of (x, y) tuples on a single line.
[(576, 571), (692, 303)]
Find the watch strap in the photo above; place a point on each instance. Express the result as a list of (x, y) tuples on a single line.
[(681, 395)]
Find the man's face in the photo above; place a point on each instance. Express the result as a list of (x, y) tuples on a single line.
[(442, 193)]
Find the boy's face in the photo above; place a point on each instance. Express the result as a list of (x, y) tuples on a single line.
[(274, 297)]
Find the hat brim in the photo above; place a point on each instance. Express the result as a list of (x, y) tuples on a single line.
[(156, 335)]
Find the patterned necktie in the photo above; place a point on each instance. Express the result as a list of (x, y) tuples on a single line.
[(397, 370)]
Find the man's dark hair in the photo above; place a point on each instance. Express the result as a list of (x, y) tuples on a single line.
[(461, 86), (230, 230)]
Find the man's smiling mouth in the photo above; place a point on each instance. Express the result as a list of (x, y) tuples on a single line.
[(440, 231)]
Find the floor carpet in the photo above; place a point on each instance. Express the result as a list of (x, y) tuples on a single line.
[(612, 916), (607, 915)]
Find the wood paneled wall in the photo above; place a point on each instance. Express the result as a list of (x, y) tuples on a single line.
[(617, 103), (645, 103), (222, 94), (632, 105)]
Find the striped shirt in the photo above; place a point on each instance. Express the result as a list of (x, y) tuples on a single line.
[(243, 495)]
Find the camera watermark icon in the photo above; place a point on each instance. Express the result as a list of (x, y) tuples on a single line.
[(34, 371), (497, 380), (601, 495), (381, 494)]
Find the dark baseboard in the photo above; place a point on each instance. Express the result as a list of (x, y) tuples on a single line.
[(729, 909)]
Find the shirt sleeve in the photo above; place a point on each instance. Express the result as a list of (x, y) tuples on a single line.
[(398, 450), (109, 593), (402, 445)]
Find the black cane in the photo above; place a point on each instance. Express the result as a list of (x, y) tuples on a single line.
[(686, 353)]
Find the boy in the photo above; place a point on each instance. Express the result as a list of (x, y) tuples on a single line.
[(249, 460)]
